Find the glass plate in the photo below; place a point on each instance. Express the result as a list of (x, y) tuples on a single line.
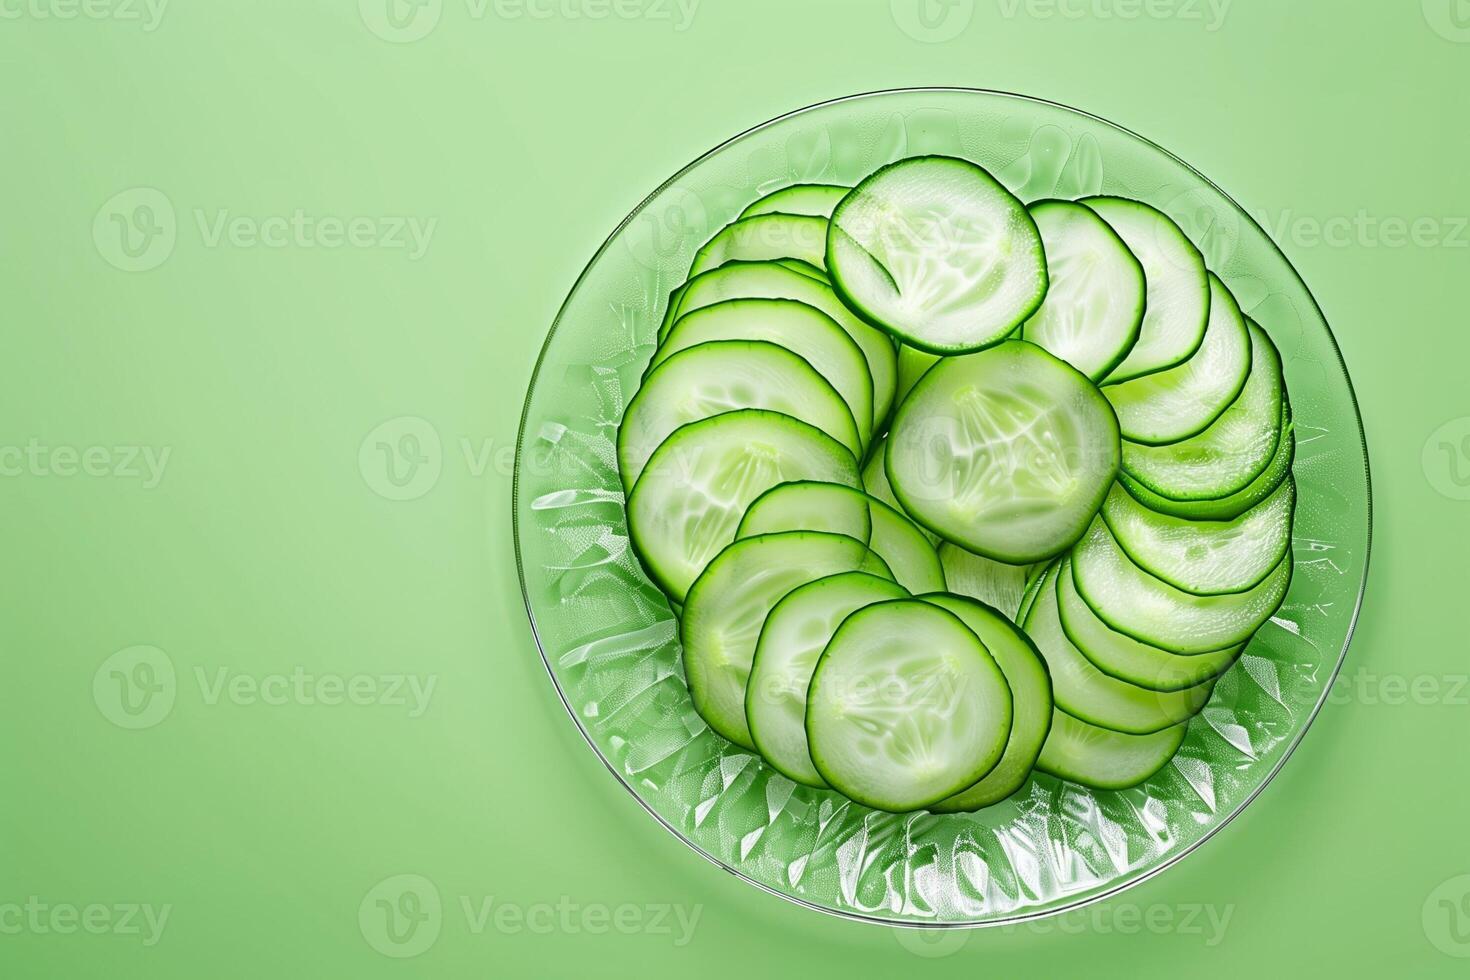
[(609, 640)]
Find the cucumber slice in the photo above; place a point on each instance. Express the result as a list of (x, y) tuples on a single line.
[(805, 268), (1136, 604), (1204, 557), (766, 237), (723, 376), (906, 707), (1008, 452), (1104, 759), (977, 577), (813, 199), (1231, 507), (801, 329), (1177, 303), (694, 489), (1085, 692), (895, 539), (792, 639), (913, 364), (1094, 304), (1031, 703), (770, 280), (1034, 582), (937, 252), (1174, 404), (730, 602), (1129, 660), (1229, 454), (808, 506)]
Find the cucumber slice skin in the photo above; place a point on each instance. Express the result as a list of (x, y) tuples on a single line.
[(1033, 586), (688, 386), (855, 230), (1103, 759), (729, 603), (804, 330), (1025, 671), (1231, 452), (808, 199), (913, 364), (1068, 224), (800, 266), (765, 237), (959, 401), (993, 583), (853, 664), (766, 448), (791, 641), (805, 505), (1177, 301), (1240, 552), (1174, 404), (1085, 692), (1231, 507), (1137, 604), (1129, 660), (778, 280)]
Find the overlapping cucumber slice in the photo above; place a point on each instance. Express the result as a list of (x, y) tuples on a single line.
[(907, 707), (810, 199), (937, 252)]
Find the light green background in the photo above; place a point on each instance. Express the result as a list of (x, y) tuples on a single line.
[(270, 545)]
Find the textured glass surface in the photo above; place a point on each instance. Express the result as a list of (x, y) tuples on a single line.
[(609, 639)]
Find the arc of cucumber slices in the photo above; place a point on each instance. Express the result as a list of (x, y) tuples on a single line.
[(946, 490)]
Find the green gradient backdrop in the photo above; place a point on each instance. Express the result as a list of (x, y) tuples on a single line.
[(264, 819)]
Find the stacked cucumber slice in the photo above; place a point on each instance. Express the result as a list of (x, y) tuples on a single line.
[(947, 490)]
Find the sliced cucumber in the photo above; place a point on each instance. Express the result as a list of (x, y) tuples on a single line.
[(1129, 660), (1034, 581), (730, 602), (1204, 557), (895, 539), (792, 639), (1174, 404), (801, 329), (766, 237), (723, 376), (1177, 304), (906, 707), (1233, 451), (1094, 304), (770, 280), (694, 489), (913, 364), (808, 506), (977, 577), (1085, 692), (1136, 604), (816, 199), (1031, 704), (1105, 759), (805, 268), (1008, 452), (937, 252), (1231, 507)]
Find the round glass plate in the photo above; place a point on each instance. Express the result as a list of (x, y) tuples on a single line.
[(609, 639)]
